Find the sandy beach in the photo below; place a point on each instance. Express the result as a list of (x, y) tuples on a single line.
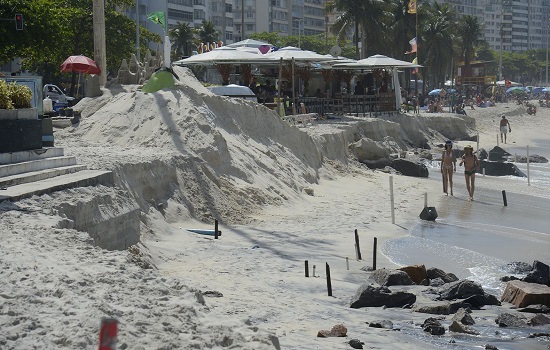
[(283, 195)]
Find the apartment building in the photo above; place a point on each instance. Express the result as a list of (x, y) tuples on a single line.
[(510, 25), (238, 19)]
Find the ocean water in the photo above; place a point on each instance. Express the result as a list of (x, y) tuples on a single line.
[(476, 240)]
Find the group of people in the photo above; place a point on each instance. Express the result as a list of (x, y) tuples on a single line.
[(469, 160), (448, 167)]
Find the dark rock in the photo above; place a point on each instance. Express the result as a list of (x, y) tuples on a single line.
[(536, 335), (437, 282), (417, 273), (538, 320), (433, 326), (463, 316), (434, 273), (483, 154), (460, 328), (490, 347), (498, 154), (368, 295), (536, 309), (535, 158), (518, 267), (381, 324), (508, 278), (338, 330), (523, 294), (377, 164), (499, 169), (459, 304), (426, 154), (367, 149), (356, 344), (410, 168), (479, 300), (540, 274), (434, 309), (388, 277), (511, 320), (460, 290)]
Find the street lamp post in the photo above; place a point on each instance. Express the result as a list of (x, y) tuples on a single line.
[(299, 20), (547, 35)]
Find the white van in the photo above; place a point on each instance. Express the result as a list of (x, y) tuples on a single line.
[(56, 94)]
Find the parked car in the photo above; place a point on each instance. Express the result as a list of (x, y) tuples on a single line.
[(56, 94), (236, 91)]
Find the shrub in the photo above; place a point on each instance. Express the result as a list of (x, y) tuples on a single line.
[(21, 95), (5, 100)]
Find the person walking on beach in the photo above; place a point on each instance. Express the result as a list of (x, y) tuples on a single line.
[(448, 167), (504, 128), (471, 164)]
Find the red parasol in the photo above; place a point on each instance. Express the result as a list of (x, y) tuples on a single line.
[(80, 64)]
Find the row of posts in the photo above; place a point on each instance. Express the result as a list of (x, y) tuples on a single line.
[(357, 255)]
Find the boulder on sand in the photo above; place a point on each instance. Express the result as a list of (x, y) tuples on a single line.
[(410, 168), (434, 273), (498, 154), (540, 274), (523, 294), (368, 295), (389, 277), (500, 169), (417, 273)]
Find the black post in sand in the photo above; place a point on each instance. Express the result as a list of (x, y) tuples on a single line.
[(216, 229), (504, 198), (374, 253), (357, 245), (329, 284), (307, 268)]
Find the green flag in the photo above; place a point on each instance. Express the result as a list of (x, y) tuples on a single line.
[(159, 18)]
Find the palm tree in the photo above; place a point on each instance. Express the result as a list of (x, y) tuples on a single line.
[(365, 16), (437, 41), (207, 32), (182, 36), (470, 30)]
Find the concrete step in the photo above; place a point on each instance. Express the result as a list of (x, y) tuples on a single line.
[(35, 165), (18, 179), (79, 179), (25, 156)]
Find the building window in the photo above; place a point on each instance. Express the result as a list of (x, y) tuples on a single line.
[(188, 3), (199, 14), (228, 35), (198, 2), (184, 15), (228, 8), (250, 27)]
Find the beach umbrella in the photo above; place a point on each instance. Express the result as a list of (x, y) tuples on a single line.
[(434, 92), (249, 43), (222, 54), (515, 90), (377, 61), (290, 52), (537, 90), (545, 90), (80, 64)]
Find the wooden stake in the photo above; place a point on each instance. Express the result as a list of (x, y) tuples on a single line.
[(504, 198), (216, 229), (329, 283), (392, 201), (357, 245), (347, 263), (374, 253), (307, 268)]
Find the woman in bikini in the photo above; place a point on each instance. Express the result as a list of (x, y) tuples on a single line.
[(471, 164), (448, 167)]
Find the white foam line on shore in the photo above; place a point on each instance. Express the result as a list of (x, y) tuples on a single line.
[(476, 225)]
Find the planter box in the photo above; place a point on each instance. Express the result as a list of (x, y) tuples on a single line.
[(24, 113), (20, 135)]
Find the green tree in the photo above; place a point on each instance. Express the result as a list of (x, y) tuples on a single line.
[(470, 32), (368, 18), (437, 42), (207, 32), (182, 37), (56, 29)]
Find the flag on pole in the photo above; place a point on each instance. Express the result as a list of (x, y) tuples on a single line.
[(412, 7), (413, 46), (415, 61), (159, 18)]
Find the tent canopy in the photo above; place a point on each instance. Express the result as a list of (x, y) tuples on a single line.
[(222, 54), (377, 61)]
